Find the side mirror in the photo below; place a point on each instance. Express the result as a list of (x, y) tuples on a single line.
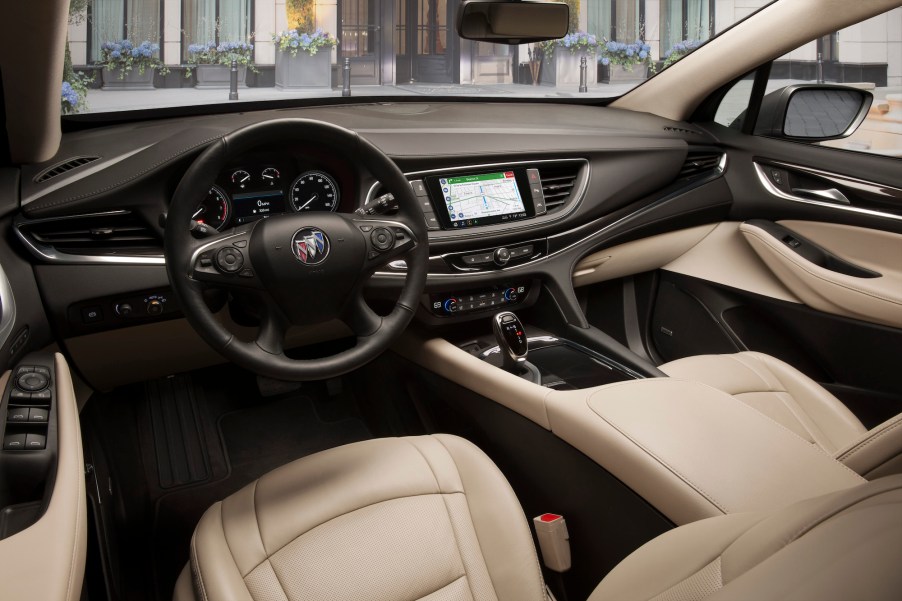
[(813, 112), (512, 21)]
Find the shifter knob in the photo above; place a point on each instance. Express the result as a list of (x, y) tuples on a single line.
[(511, 339)]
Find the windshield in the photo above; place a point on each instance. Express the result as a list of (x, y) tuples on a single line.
[(127, 55)]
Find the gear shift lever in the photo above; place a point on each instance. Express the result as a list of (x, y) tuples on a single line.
[(514, 347)]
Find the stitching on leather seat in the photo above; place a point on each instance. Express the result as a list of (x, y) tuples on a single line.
[(869, 439), (195, 569)]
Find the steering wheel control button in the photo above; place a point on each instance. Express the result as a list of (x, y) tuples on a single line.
[(14, 442), (247, 272), (32, 382), (382, 239), (310, 246), (229, 260), (240, 243), (366, 228), (502, 256)]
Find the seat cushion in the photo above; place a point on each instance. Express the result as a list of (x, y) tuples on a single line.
[(426, 517), (777, 390), (844, 545)]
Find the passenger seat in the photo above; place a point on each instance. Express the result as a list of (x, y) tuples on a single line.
[(794, 400)]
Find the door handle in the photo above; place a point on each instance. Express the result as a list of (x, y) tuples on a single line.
[(831, 194)]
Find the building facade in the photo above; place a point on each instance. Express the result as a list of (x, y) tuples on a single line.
[(413, 41)]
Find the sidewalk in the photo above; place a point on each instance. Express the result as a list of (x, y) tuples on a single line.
[(129, 100)]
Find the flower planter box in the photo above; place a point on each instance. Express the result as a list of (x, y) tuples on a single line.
[(563, 68), (133, 80), (303, 70), (218, 77), (617, 74)]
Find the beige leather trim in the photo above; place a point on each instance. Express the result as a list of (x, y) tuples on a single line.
[(184, 588), (874, 249), (724, 257), (638, 256), (785, 26), (877, 300), (117, 357), (445, 359), (693, 451), (878, 452), (47, 560)]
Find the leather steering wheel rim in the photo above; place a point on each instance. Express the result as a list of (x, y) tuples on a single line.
[(265, 250)]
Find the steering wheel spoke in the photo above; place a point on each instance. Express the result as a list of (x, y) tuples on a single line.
[(358, 316), (386, 240), (273, 325)]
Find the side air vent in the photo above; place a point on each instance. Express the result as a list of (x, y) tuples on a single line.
[(699, 163), (557, 184), (103, 234), (61, 168)]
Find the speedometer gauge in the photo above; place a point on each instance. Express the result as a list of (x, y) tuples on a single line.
[(215, 210), (314, 191)]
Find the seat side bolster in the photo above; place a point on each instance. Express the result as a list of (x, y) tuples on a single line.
[(501, 527), (216, 576), (878, 453)]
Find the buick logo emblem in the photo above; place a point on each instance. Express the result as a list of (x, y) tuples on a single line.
[(310, 246)]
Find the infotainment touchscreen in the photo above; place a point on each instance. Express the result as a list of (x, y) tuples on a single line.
[(480, 199)]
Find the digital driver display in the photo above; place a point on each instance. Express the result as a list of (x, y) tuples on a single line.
[(480, 199), (252, 206)]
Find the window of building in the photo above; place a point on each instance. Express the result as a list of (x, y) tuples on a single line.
[(216, 21), (691, 20), (113, 20), (619, 20)]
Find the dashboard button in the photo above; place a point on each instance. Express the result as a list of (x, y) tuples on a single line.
[(431, 221), (522, 251), (425, 204), (502, 256), (91, 314), (533, 176), (419, 188)]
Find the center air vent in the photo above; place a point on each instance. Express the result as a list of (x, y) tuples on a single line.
[(114, 233), (61, 168), (557, 183), (699, 162)]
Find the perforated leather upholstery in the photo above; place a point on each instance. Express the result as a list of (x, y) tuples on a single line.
[(794, 400), (393, 519)]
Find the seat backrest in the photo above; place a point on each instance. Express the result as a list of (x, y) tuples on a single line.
[(844, 545)]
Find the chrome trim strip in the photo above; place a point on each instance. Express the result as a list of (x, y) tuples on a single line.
[(51, 255), (577, 195), (8, 301), (775, 191), (843, 180)]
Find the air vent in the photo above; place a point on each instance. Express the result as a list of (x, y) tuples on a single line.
[(699, 163), (61, 168), (115, 233), (557, 184)]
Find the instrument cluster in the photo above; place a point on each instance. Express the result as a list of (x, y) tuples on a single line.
[(248, 193)]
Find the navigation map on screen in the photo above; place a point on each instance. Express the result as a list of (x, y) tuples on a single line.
[(472, 197)]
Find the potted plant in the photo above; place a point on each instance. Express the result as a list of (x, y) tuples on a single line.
[(211, 62), (562, 58), (304, 60), (624, 63), (126, 66), (679, 50)]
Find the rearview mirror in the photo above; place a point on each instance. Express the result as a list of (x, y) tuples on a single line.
[(813, 112), (512, 22)]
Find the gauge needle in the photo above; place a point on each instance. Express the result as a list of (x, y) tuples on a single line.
[(312, 198), (200, 211), (245, 178), (267, 176)]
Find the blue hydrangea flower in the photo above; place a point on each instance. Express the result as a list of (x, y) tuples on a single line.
[(605, 60)]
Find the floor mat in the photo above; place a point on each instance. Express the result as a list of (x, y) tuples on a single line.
[(233, 435)]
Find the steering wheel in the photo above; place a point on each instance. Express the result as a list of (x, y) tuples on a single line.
[(299, 268)]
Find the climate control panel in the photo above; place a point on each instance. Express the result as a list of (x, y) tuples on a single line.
[(477, 300)]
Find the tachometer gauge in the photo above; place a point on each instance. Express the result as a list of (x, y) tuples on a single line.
[(215, 210), (270, 176), (314, 191), (241, 178)]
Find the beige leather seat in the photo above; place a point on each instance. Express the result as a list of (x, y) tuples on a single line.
[(431, 518), (794, 400)]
